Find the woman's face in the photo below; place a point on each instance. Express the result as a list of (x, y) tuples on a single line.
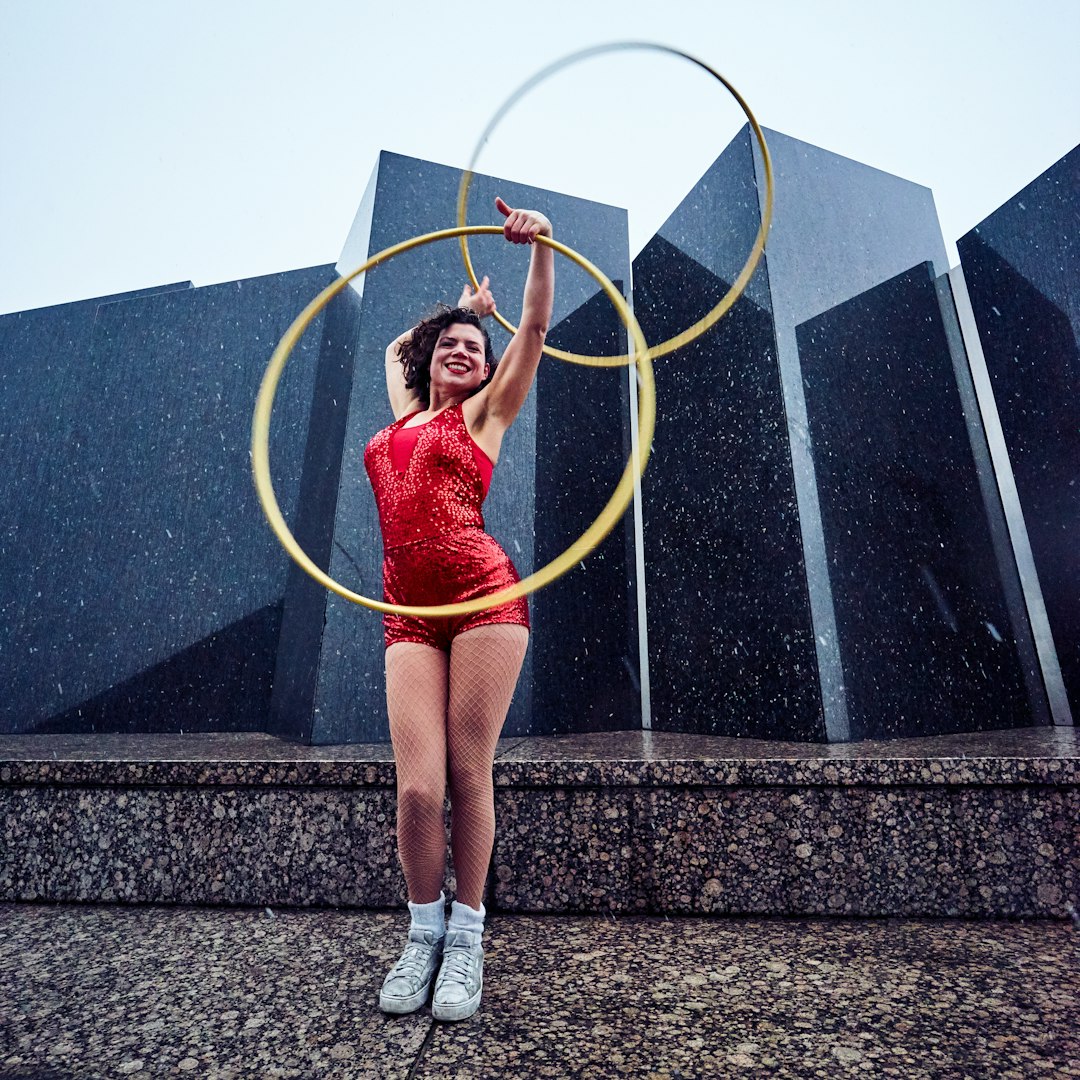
[(458, 363)]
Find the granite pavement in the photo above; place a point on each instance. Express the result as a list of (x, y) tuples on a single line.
[(91, 991)]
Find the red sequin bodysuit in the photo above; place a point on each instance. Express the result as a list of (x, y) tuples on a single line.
[(435, 550)]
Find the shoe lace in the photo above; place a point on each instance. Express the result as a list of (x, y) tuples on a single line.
[(412, 962), (457, 966)]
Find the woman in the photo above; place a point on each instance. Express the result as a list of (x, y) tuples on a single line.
[(449, 681)]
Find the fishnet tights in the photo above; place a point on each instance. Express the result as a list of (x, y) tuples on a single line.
[(446, 713)]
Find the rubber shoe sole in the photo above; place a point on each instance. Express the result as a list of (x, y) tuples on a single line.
[(400, 1006), (460, 1010)]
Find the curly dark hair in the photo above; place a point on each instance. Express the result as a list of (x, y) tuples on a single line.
[(415, 354)]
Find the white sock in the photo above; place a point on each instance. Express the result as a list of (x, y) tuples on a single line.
[(463, 917), (429, 916)]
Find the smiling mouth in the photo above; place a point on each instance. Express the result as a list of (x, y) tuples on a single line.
[(458, 368)]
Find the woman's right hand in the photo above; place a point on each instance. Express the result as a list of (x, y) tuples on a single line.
[(522, 226), (481, 302)]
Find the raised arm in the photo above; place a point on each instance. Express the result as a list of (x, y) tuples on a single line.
[(494, 409), (403, 400)]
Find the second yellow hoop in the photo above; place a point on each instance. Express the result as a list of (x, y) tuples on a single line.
[(756, 249)]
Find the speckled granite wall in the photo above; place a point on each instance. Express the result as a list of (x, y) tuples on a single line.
[(753, 558), (142, 586), (975, 825), (806, 850)]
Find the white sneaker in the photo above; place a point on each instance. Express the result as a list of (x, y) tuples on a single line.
[(405, 989), (461, 977)]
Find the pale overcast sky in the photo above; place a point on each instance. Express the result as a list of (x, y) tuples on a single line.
[(152, 141)]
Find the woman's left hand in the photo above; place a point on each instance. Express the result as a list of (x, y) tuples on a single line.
[(522, 226), (481, 302)]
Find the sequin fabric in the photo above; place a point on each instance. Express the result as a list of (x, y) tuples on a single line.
[(435, 550)]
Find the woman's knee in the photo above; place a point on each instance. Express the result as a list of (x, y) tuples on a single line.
[(470, 774), (418, 799)]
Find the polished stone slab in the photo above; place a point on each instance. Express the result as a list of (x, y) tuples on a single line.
[(584, 649), (731, 641), (235, 993), (1021, 266), (731, 650), (628, 758), (927, 639)]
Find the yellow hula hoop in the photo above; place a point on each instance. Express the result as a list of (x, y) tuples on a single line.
[(605, 521), (756, 249)]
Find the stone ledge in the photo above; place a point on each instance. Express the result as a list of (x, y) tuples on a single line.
[(973, 826)]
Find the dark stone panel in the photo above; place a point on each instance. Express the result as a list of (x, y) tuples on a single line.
[(305, 599), (715, 224), (39, 350), (408, 197), (1022, 268), (585, 648), (924, 631), (981, 434), (730, 637), (135, 545), (840, 227)]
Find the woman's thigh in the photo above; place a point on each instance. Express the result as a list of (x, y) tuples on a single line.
[(484, 666), (417, 696)]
